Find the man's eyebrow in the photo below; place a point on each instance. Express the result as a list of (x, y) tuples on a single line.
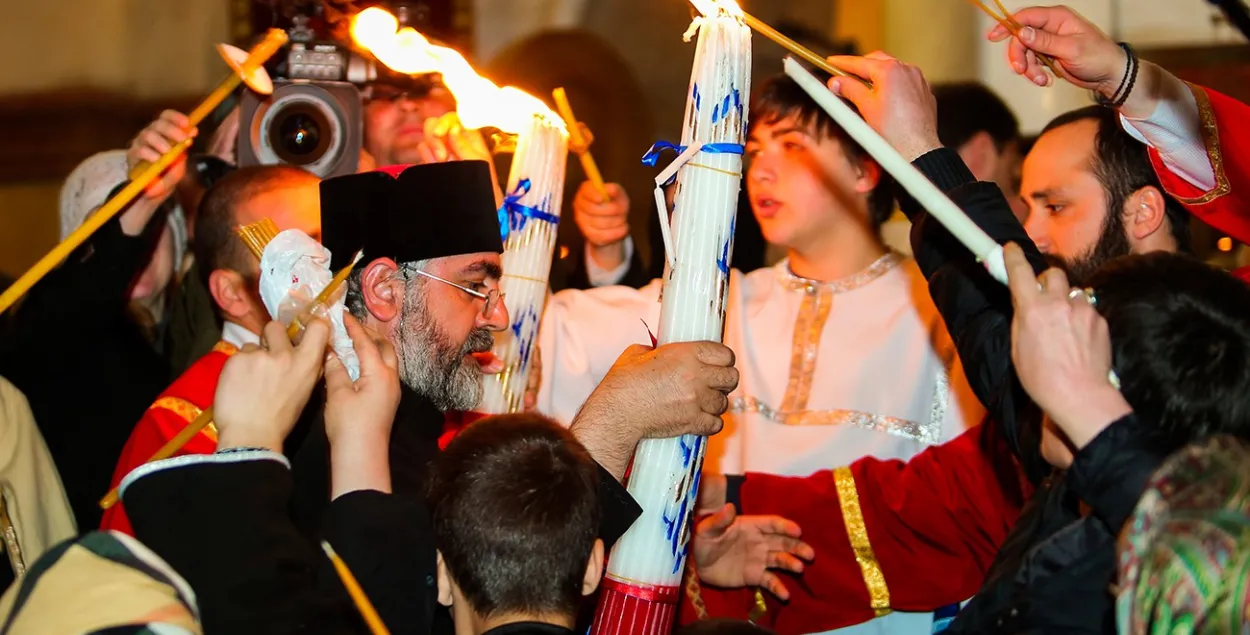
[(787, 130), (492, 270)]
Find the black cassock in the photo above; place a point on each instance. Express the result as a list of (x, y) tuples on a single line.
[(227, 527)]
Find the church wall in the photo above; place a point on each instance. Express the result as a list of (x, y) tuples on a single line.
[(81, 71)]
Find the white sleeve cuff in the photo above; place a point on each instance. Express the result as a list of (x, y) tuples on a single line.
[(1174, 129), (600, 277), (199, 459)]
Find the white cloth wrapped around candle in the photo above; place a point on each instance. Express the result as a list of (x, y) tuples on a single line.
[(529, 220), (294, 268), (924, 191)]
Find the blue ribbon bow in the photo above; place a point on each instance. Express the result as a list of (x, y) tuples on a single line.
[(652, 157), (513, 215)]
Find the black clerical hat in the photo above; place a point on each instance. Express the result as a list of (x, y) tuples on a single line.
[(411, 213)]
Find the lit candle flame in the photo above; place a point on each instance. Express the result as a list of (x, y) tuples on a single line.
[(714, 8), (479, 101)]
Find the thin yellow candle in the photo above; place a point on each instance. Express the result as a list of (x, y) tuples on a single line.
[(579, 143), (358, 594), (185, 435), (241, 72)]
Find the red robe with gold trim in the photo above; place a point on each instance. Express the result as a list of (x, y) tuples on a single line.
[(1226, 207), (176, 408), (888, 535)]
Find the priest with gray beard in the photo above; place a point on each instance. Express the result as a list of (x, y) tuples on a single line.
[(428, 281)]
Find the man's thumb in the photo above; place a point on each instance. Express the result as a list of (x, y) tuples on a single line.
[(1047, 43)]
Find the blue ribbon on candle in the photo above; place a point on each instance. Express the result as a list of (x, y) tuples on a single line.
[(652, 157), (513, 215)]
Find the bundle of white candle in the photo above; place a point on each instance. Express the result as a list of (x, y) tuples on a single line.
[(645, 569), (529, 217)]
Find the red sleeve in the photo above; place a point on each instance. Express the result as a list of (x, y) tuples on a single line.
[(1227, 206), (888, 535)]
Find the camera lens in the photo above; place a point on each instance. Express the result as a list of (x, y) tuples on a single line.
[(297, 135)]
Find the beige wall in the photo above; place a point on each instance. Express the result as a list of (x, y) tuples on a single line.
[(146, 49)]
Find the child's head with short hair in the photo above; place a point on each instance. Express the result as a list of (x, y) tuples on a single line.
[(805, 175), (515, 506)]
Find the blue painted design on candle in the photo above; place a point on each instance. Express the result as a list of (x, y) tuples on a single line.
[(525, 344), (722, 263), (698, 100), (722, 109)]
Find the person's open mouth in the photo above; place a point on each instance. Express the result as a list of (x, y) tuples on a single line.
[(488, 362)]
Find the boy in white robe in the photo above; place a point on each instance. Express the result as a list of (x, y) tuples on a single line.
[(841, 352)]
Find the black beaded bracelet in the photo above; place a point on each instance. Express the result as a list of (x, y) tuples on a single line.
[(1126, 83)]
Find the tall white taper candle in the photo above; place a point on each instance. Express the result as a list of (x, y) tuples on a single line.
[(925, 192), (532, 205), (645, 568)]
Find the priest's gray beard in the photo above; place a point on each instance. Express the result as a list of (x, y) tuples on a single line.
[(433, 365)]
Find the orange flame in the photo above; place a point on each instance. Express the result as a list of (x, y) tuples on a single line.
[(479, 101)]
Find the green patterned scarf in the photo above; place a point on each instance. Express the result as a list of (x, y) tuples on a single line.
[(1184, 555)]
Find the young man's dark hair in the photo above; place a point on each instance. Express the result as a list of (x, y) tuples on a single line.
[(966, 108), (1122, 165), (216, 246), (1180, 339), (515, 507), (780, 97)]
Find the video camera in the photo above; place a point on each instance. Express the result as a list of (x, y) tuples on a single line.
[(314, 119)]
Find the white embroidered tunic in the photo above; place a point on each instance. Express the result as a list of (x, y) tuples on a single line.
[(830, 372)]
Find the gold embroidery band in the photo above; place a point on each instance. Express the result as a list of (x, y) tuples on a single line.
[(187, 411), (853, 517), (1211, 140), (225, 347), (736, 175)]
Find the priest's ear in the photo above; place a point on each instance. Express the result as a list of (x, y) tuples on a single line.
[(230, 291), (594, 569), (382, 289)]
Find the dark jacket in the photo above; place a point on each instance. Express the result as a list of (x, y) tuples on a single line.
[(1054, 572), (221, 521), (414, 443), (88, 370)]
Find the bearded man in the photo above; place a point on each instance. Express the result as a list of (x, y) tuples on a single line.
[(428, 281)]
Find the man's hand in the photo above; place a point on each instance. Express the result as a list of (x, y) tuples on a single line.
[(170, 129), (446, 139), (713, 490), (664, 392), (535, 383), (1086, 56), (1061, 349), (732, 551), (899, 105), (359, 416), (262, 391), (604, 222)]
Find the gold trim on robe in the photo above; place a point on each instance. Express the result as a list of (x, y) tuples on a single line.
[(1211, 141), (857, 532), (186, 410)]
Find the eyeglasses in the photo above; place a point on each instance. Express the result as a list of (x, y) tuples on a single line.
[(492, 296)]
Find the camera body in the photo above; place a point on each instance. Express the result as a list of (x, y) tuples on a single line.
[(314, 119)]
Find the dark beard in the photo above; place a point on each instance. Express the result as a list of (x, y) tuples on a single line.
[(432, 365), (1112, 243)]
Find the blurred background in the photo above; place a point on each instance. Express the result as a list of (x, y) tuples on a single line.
[(82, 76)]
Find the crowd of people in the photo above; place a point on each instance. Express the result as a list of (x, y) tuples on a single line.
[(898, 443)]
